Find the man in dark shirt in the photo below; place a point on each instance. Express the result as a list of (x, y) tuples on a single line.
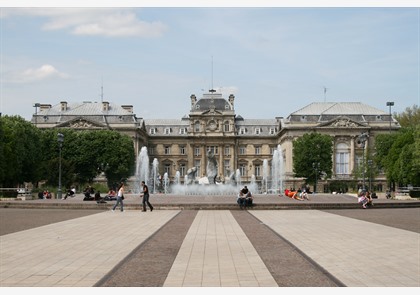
[(145, 196)]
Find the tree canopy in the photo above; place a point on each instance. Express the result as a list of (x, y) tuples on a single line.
[(29, 154), (309, 150)]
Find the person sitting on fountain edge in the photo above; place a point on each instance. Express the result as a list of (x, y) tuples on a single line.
[(248, 196)]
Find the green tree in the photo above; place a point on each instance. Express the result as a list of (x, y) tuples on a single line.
[(85, 154), (309, 150), (410, 117), (397, 153), (20, 151)]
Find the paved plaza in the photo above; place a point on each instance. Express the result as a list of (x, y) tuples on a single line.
[(215, 250)]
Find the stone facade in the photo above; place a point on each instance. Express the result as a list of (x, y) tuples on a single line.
[(237, 143)]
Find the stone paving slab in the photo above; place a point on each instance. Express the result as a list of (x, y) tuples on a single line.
[(217, 253), (77, 252), (358, 253)]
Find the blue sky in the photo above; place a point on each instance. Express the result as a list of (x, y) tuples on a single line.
[(274, 60)]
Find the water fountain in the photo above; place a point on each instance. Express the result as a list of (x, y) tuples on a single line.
[(155, 166), (165, 182), (265, 176), (177, 179), (192, 185), (277, 171), (142, 170)]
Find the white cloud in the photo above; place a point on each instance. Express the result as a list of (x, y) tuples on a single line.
[(109, 22), (31, 75)]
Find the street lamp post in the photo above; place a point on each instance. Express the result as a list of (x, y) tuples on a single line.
[(362, 141), (316, 168), (60, 140), (390, 104), (36, 106), (370, 163)]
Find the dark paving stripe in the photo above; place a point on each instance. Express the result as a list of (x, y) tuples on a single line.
[(288, 266), (407, 218), (14, 220), (149, 264)]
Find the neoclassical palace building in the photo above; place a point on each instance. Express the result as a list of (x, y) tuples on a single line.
[(237, 142)]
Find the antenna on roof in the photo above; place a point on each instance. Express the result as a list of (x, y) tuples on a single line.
[(325, 93)]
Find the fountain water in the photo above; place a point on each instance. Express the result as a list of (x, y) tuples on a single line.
[(265, 176), (142, 169), (277, 171), (238, 177), (155, 166), (190, 186), (165, 182), (177, 179)]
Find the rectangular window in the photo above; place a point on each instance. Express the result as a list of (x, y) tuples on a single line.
[(242, 169), (182, 170), (242, 150), (182, 150), (227, 150), (258, 150), (226, 127), (151, 150), (258, 131), (182, 131), (152, 130), (167, 130), (257, 170), (272, 131), (167, 150), (167, 169), (197, 151), (197, 163)]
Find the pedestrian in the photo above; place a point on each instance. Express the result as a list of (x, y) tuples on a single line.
[(145, 196), (120, 197)]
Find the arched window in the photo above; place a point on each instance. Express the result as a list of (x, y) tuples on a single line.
[(342, 158)]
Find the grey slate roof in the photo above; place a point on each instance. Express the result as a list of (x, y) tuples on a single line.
[(338, 108), (84, 109)]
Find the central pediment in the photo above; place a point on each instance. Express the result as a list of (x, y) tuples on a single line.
[(82, 123), (342, 122)]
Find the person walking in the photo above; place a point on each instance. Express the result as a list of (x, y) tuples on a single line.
[(120, 197), (145, 196)]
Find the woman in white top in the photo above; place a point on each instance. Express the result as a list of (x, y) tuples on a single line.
[(120, 197)]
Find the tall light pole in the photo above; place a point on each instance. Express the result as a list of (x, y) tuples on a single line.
[(60, 140), (390, 104), (36, 106), (361, 141), (316, 168), (370, 163)]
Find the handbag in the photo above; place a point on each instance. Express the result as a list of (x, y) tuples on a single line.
[(122, 197)]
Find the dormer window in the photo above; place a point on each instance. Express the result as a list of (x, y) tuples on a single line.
[(182, 131), (152, 130), (242, 130), (167, 130), (257, 130), (272, 131), (226, 126)]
